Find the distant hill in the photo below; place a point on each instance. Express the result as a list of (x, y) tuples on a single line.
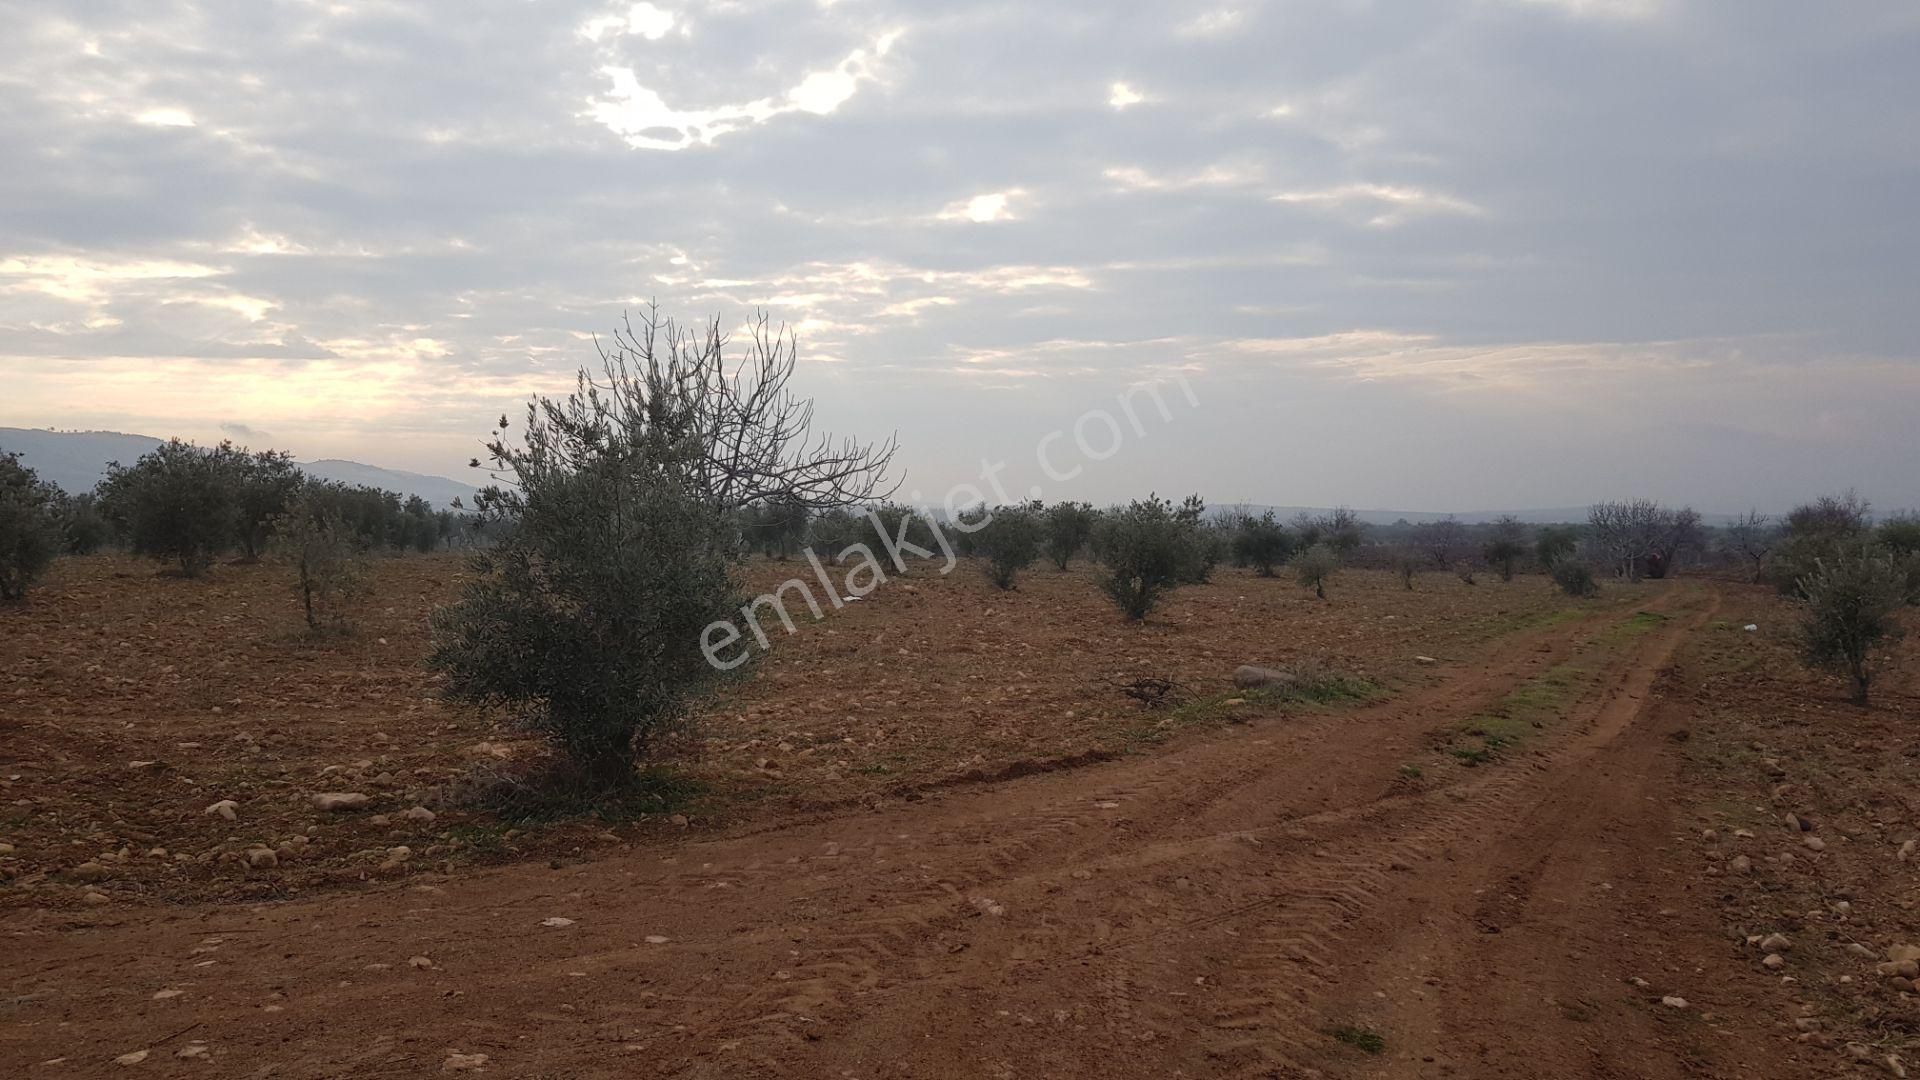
[(437, 490), (1562, 515), (76, 460)]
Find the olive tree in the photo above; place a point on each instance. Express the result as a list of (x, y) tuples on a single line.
[(328, 559), (176, 503), (1262, 543), (264, 484), (1314, 567), (1069, 525), (1011, 542), (1851, 601), (594, 617), (1145, 548), (29, 528)]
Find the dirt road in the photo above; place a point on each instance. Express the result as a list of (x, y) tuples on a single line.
[(1285, 899)]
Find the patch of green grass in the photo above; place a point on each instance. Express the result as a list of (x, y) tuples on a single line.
[(1364, 1039), (1542, 699), (1636, 624), (1335, 690)]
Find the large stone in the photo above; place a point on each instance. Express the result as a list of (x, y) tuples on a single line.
[(339, 800), (1255, 677)]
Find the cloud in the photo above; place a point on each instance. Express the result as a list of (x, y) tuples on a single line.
[(980, 209), (643, 20), (1122, 96), (1380, 204), (648, 122), (1455, 229)]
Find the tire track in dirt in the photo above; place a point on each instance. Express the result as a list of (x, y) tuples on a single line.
[(1265, 842), (1298, 928)]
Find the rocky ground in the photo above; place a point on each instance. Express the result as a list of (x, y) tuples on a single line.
[(169, 739), (1622, 839)]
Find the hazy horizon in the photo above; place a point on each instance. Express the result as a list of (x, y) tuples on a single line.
[(1491, 255)]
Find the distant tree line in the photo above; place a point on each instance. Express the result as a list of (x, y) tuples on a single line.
[(189, 505)]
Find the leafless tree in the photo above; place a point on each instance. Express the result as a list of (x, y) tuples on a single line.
[(1442, 540), (1677, 534), (1752, 536), (753, 439), (1640, 536), (1625, 533)]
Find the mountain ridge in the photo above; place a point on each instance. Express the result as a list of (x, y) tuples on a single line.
[(77, 460)]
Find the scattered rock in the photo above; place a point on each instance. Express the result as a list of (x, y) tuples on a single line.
[(1253, 677), (262, 858), (1775, 943), (420, 814), (91, 871), (163, 995), (1673, 1001), (1425, 660), (556, 921), (656, 939), (420, 962), (396, 856), (1814, 843), (134, 1058), (224, 809), (191, 1051), (1906, 850), (1741, 864), (1862, 951), (459, 1062), (96, 899), (339, 800), (1774, 962)]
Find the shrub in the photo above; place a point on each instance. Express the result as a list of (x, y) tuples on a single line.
[(176, 503), (1144, 548), (83, 529), (328, 560), (1851, 601), (1262, 543), (1069, 525), (1314, 566), (1505, 547), (1405, 566), (1340, 529), (1554, 542), (29, 529), (1010, 541), (1900, 534), (1820, 531), (1575, 578)]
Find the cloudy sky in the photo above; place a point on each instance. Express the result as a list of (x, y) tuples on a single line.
[(1488, 254)]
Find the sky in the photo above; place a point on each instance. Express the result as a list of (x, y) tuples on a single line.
[(1429, 256)]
